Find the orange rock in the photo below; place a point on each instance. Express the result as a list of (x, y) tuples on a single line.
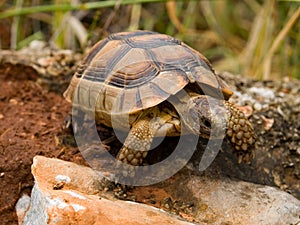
[(77, 203)]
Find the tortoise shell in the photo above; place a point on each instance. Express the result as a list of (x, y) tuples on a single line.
[(132, 71)]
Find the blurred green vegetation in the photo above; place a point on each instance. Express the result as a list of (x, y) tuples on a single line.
[(256, 38)]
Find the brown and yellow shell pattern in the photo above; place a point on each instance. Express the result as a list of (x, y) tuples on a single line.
[(135, 72)]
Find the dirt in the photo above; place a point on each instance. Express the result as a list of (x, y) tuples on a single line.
[(33, 116), (31, 124)]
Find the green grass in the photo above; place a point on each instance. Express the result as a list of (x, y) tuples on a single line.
[(254, 38)]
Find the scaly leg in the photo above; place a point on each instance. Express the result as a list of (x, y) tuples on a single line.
[(138, 141)]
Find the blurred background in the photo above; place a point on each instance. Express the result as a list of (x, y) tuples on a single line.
[(254, 38)]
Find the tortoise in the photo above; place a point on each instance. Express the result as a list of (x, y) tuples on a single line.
[(137, 75)]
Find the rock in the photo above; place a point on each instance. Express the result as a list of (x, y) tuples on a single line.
[(76, 201), (66, 193), (22, 207), (224, 201), (276, 120)]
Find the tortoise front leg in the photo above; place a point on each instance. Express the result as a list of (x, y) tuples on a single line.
[(140, 137), (138, 142)]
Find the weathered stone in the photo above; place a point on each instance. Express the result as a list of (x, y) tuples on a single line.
[(76, 202), (22, 207), (66, 193), (237, 202)]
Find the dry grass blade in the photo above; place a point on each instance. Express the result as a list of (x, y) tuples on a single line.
[(259, 41), (57, 38), (171, 9), (15, 28), (279, 38), (216, 13), (111, 16), (135, 17), (79, 30)]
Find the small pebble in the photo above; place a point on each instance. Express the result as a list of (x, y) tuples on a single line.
[(37, 45), (13, 101), (263, 92), (257, 106)]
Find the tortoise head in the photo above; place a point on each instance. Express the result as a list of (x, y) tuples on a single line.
[(206, 116), (215, 118)]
